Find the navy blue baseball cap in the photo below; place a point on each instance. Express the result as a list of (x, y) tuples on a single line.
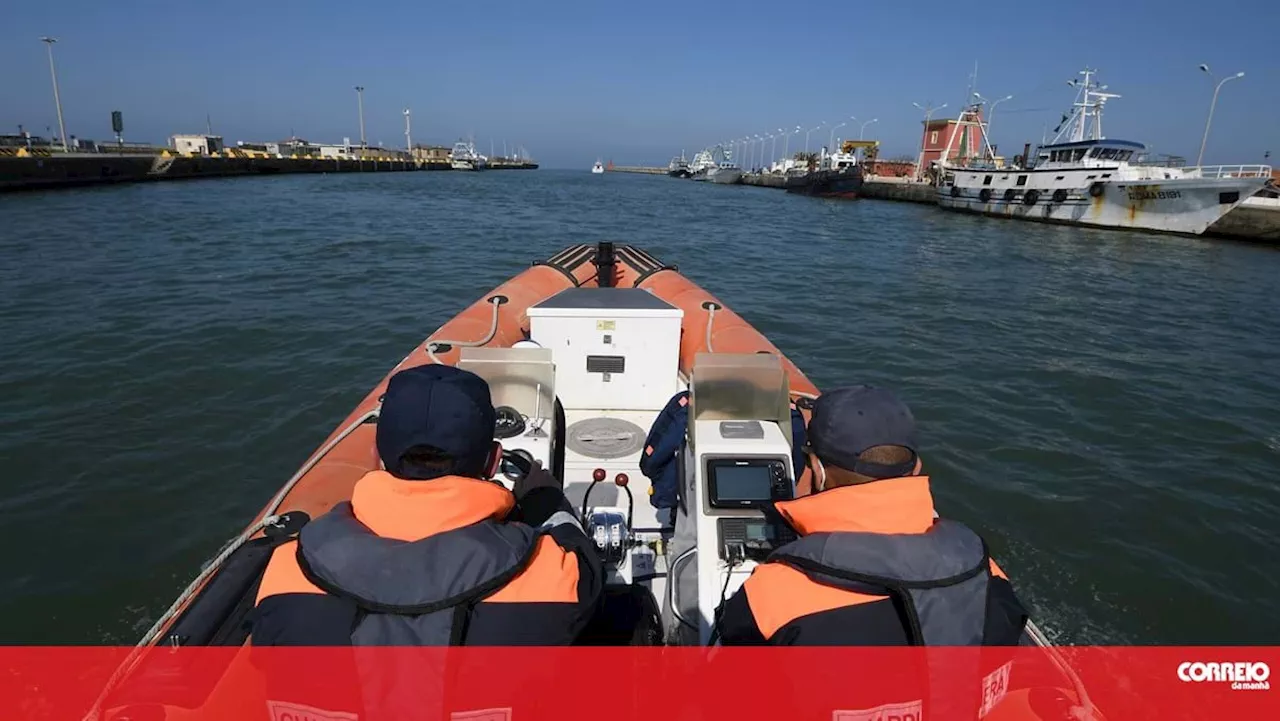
[(847, 421), (439, 406)]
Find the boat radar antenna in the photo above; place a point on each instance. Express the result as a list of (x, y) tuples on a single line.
[(1088, 104)]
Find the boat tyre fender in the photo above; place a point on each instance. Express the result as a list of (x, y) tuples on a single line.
[(1060, 195), (955, 191), (1031, 197), (984, 195), (1010, 194), (1097, 189)]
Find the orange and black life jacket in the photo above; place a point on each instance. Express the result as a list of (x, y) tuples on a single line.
[(427, 563), (874, 566)]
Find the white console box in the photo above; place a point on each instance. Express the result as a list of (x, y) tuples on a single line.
[(614, 348)]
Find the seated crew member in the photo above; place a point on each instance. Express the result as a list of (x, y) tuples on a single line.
[(426, 551), (873, 565)]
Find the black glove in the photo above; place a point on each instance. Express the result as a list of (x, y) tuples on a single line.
[(537, 477), (539, 495)]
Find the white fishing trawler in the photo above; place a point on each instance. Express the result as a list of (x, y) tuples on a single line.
[(703, 163), (725, 172), (1083, 177), (465, 157)]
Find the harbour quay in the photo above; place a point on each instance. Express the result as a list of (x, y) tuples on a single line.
[(28, 165)]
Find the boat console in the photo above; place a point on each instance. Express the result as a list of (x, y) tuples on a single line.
[(522, 384), (740, 432), (580, 397)]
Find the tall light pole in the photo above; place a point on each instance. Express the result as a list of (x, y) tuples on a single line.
[(863, 131), (831, 139), (1203, 141), (786, 147), (57, 101), (758, 141), (991, 112), (821, 125), (928, 115), (360, 101), (408, 139)]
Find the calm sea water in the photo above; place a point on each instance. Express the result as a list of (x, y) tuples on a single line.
[(1103, 406)]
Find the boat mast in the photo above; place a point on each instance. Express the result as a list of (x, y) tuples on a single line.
[(1089, 102)]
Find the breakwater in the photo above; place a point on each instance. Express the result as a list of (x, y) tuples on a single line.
[(73, 170)]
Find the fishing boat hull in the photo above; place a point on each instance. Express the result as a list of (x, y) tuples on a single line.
[(726, 176), (679, 172), (468, 165), (1174, 205), (845, 184)]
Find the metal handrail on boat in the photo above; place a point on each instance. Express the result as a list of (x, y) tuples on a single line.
[(1229, 171)]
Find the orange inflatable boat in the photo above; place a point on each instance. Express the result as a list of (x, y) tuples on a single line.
[(582, 352)]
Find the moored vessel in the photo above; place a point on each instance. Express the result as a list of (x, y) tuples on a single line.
[(700, 168), (1085, 178), (465, 157), (838, 175), (679, 167), (598, 168)]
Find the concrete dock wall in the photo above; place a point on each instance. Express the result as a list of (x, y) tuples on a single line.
[(1255, 219), (56, 171)]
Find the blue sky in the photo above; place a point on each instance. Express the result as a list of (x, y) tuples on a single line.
[(637, 82)]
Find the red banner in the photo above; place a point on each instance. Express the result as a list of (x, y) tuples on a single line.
[(619, 684)]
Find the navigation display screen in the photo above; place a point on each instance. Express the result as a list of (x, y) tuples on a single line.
[(743, 483)]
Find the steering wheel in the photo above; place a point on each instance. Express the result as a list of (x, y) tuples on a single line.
[(516, 464)]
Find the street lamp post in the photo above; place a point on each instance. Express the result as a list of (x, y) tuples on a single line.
[(758, 161), (1212, 105), (863, 131), (408, 139), (786, 147), (57, 101), (821, 125), (831, 139), (928, 115), (360, 102), (991, 113)]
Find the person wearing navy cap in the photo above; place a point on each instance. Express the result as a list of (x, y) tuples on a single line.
[(873, 564), (427, 551)]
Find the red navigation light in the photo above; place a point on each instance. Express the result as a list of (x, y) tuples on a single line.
[(621, 479), (598, 474)]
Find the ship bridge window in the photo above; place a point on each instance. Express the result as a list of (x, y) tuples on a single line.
[(1022, 180), (1124, 155), (1108, 154), (1079, 153), (986, 180), (1094, 153)]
